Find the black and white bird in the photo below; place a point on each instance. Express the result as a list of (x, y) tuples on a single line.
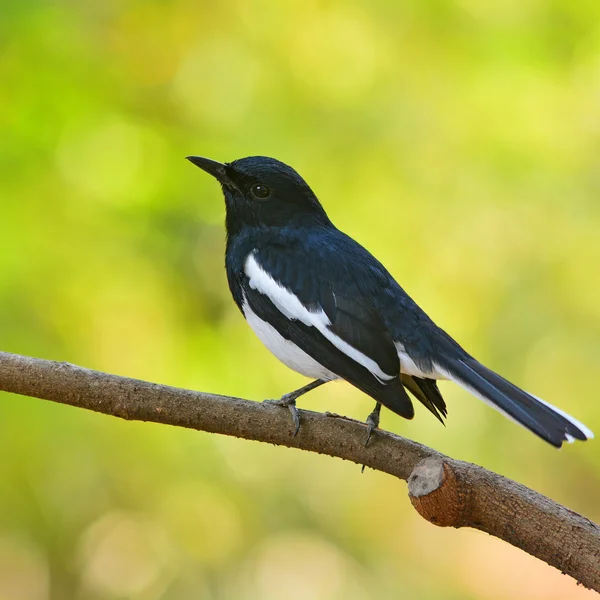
[(328, 309)]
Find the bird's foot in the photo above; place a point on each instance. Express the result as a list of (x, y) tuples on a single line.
[(289, 400), (373, 422)]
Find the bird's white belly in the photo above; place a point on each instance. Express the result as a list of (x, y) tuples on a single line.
[(285, 350)]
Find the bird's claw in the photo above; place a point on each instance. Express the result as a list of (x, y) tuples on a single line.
[(372, 423), (370, 429), (289, 400), (291, 405)]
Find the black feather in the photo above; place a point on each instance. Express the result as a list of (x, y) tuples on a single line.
[(427, 393), (513, 401)]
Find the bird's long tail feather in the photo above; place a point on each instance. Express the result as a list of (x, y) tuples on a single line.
[(543, 419)]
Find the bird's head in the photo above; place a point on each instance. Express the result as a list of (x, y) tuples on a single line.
[(262, 191)]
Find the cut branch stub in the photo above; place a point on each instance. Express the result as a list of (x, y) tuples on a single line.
[(437, 494)]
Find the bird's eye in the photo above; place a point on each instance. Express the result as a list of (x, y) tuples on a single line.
[(260, 191)]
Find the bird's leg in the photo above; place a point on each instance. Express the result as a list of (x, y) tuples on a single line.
[(373, 422), (289, 400)]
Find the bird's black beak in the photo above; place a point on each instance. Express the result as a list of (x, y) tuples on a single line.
[(212, 167)]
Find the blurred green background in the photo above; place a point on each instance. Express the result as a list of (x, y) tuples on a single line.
[(459, 141)]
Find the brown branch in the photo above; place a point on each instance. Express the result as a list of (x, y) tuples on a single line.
[(445, 491)]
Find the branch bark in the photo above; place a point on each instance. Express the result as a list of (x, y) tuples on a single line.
[(445, 491)]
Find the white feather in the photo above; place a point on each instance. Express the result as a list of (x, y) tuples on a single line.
[(291, 307), (408, 365), (287, 352), (289, 304)]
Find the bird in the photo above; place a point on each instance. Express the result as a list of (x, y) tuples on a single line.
[(329, 310)]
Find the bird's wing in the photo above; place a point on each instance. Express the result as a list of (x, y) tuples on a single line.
[(322, 312)]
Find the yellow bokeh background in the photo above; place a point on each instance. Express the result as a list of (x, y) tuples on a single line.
[(458, 140)]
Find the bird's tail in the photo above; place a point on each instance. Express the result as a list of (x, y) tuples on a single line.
[(543, 419)]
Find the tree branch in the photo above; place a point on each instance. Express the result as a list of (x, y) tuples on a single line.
[(445, 491)]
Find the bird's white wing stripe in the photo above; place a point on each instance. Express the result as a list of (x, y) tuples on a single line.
[(356, 355), (290, 306), (282, 298)]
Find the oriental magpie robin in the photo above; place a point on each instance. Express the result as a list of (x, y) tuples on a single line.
[(327, 308)]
